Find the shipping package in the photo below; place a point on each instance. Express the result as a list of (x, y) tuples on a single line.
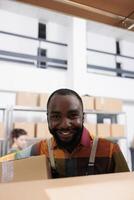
[(42, 131), (43, 98), (32, 168), (103, 130), (88, 102), (117, 186), (29, 127), (108, 104), (117, 130), (27, 99)]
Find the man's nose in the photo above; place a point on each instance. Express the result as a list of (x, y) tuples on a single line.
[(65, 123)]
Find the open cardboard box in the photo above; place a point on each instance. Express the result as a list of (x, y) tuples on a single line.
[(27, 169)]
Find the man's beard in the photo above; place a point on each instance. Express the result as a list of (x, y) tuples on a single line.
[(68, 145)]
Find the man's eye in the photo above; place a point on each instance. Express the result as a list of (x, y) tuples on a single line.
[(74, 116), (55, 117)]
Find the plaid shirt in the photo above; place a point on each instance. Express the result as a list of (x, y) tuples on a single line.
[(108, 159)]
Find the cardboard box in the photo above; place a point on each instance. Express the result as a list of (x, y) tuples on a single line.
[(42, 130), (27, 99), (27, 126), (32, 168), (117, 186), (43, 98), (7, 157), (91, 128), (117, 130), (103, 130), (88, 102), (108, 104), (2, 130)]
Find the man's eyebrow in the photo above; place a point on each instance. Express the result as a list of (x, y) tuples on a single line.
[(74, 110), (55, 112)]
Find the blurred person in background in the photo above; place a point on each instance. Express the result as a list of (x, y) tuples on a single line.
[(18, 140)]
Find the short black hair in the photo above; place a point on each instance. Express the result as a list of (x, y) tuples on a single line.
[(16, 132), (65, 91)]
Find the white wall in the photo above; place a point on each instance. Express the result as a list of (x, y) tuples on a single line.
[(93, 84), (101, 42), (19, 24), (127, 48), (55, 51), (101, 85), (18, 45), (15, 76), (27, 26), (57, 32), (19, 77)]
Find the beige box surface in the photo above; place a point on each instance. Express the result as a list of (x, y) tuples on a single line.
[(88, 102), (28, 126), (91, 128), (117, 186), (103, 130), (27, 99), (42, 130), (32, 168), (117, 130), (108, 104), (2, 130), (43, 98)]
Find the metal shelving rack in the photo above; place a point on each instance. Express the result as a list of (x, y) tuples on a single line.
[(9, 120), (3, 141), (113, 116)]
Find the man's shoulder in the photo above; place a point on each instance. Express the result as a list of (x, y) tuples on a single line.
[(105, 146), (105, 141), (41, 147)]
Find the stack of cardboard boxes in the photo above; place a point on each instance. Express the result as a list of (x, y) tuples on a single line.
[(91, 104), (30, 99), (103, 105), (34, 130)]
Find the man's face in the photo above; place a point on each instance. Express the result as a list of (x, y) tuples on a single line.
[(65, 118)]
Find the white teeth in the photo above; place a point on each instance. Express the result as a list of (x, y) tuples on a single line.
[(65, 133)]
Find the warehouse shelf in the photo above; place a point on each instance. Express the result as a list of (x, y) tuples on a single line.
[(9, 120)]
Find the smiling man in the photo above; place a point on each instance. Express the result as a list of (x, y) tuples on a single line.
[(65, 119), (71, 150)]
